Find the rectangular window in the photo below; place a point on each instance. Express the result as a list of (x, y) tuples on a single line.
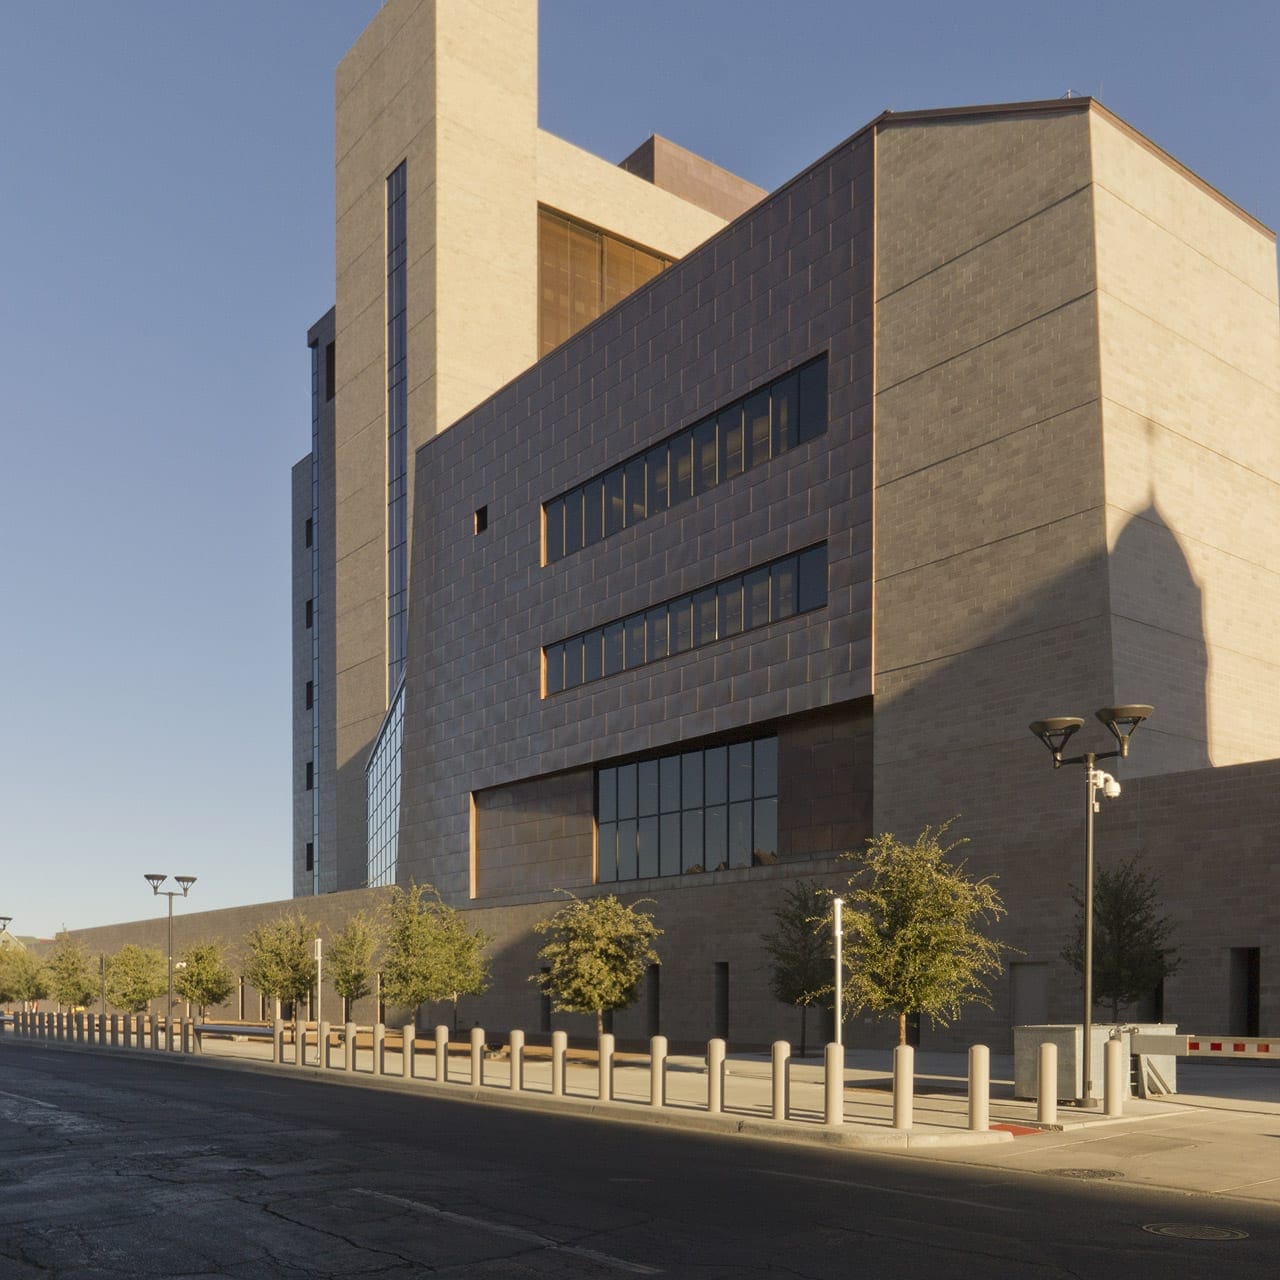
[(634, 644), (757, 411), (655, 625), (593, 512), (311, 776), (613, 635), (729, 433), (309, 612), (554, 538), (704, 616), (705, 472), (311, 856), (311, 694), (308, 533), (330, 371), (783, 580), (481, 519), (785, 408), (634, 485), (657, 470), (811, 579), (681, 624), (555, 668), (613, 501)]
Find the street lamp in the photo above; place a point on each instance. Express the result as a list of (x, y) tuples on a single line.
[(837, 941), (184, 885), (1055, 733), (5, 921)]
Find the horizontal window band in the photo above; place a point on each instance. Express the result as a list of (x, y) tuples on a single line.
[(787, 412), (782, 588)]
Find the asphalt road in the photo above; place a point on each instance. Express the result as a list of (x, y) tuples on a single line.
[(122, 1167)]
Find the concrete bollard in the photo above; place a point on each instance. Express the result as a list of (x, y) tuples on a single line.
[(1047, 1085), (408, 1033), (350, 1036), (299, 1042), (604, 1053), (904, 1083), (559, 1047), (379, 1049), (833, 1077), (516, 1050), (781, 1059), (115, 1030), (79, 1021), (155, 1033), (715, 1076), (277, 1041), (1116, 1085), (477, 1057), (979, 1088), (658, 1071), (322, 1043), (442, 1054), (186, 1031)]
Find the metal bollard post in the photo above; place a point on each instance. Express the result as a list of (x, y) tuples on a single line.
[(477, 1057), (1116, 1086), (833, 1075), (408, 1033), (715, 1076), (1047, 1091), (658, 1071), (559, 1046), (350, 1032), (442, 1054), (277, 1040), (379, 1049), (781, 1079), (979, 1088), (516, 1050), (904, 1083), (604, 1052), (322, 1044)]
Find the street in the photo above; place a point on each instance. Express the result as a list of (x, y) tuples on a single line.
[(114, 1166)]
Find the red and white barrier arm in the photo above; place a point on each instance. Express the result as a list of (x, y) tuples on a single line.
[(1232, 1047)]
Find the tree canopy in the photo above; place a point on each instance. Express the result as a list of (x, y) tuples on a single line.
[(596, 955), (1132, 951), (203, 976), (801, 949), (73, 981), (22, 976), (136, 976), (913, 940), (432, 953), (350, 959), (281, 959)]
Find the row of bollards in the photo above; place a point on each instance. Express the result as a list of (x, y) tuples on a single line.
[(127, 1030), (141, 1030)]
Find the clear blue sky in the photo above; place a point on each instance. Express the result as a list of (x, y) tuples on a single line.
[(166, 237)]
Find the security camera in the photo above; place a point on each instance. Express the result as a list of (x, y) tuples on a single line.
[(1110, 787)]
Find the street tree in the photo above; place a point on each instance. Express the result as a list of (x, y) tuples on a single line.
[(281, 959), (350, 956), (203, 977), (136, 976), (432, 953), (913, 930), (22, 977), (596, 955), (800, 948), (1132, 948), (72, 980)]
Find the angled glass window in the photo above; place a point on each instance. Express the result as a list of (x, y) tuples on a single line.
[(743, 434)]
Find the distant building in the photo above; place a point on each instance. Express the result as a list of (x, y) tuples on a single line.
[(665, 537)]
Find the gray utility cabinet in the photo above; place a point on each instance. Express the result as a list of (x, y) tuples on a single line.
[(1067, 1036)]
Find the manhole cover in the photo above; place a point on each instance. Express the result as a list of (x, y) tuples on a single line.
[(1099, 1174), (1194, 1231)]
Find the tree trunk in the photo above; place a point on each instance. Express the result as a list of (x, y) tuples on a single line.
[(902, 1026)]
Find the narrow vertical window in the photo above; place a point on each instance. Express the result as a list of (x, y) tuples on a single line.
[(397, 431)]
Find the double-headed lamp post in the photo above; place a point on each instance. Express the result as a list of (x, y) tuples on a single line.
[(5, 921), (184, 887), (1055, 733)]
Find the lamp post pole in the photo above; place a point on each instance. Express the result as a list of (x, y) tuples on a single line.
[(1055, 732), (837, 937), (155, 880)]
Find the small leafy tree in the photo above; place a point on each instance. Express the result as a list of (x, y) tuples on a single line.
[(800, 947), (205, 977), (136, 976), (350, 957), (22, 977), (913, 941), (432, 953), (281, 960), (1132, 951), (72, 980), (596, 955)]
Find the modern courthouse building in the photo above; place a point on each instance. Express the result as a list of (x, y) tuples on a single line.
[(668, 537)]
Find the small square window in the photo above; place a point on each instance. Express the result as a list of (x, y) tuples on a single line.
[(482, 519)]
